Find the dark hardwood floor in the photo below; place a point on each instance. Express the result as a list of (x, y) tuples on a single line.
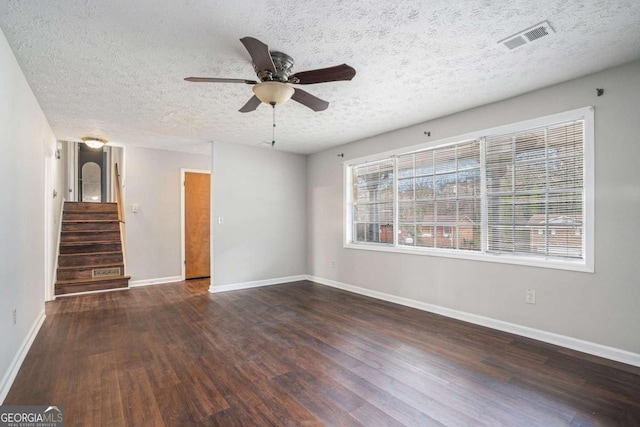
[(304, 354)]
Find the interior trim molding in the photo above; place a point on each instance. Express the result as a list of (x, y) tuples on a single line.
[(16, 363), (99, 291), (588, 347), (50, 290), (156, 281), (256, 284)]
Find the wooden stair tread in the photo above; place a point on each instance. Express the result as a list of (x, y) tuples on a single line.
[(69, 202), (92, 280), (90, 242), (92, 266), (71, 221), (71, 290), (82, 233), (91, 211), (93, 253), (93, 207), (97, 230)]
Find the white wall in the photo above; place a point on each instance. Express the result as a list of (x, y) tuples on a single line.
[(152, 180), (25, 139), (260, 195), (600, 308)]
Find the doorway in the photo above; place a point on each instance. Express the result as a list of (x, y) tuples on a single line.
[(90, 175), (196, 224)]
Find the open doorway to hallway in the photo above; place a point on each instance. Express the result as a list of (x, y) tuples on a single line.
[(90, 172)]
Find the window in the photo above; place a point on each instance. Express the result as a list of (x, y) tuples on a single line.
[(440, 190), (520, 193), (535, 183), (373, 202)]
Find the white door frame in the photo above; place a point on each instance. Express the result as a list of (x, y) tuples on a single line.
[(48, 218), (183, 260), (72, 171)]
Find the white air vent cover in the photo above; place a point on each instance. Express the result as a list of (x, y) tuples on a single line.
[(529, 35)]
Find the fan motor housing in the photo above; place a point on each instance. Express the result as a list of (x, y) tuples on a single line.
[(284, 65)]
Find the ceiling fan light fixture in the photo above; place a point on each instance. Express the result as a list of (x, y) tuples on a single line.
[(273, 92), (94, 142), (274, 71)]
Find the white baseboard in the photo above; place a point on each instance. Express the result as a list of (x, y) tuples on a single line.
[(256, 284), (549, 337), (158, 281), (16, 363)]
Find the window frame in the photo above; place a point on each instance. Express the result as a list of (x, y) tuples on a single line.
[(585, 264)]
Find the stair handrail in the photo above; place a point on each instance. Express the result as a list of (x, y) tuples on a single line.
[(120, 216), (118, 193)]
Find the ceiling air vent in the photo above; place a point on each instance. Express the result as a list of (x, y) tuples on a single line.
[(529, 35)]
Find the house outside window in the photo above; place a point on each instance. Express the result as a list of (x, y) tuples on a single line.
[(521, 193)]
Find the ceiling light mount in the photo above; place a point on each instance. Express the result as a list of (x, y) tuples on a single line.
[(94, 142)]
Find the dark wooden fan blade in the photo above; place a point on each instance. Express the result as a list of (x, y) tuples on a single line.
[(313, 102), (321, 75), (251, 105), (219, 80), (259, 54)]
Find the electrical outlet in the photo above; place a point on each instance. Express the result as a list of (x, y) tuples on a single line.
[(333, 263), (15, 316), (530, 297)]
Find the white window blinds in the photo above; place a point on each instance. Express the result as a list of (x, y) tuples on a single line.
[(439, 204), (372, 209), (535, 191), (521, 193)]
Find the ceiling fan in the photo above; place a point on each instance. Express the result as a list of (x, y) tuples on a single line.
[(274, 69)]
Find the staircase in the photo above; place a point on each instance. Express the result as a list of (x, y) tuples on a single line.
[(91, 257)]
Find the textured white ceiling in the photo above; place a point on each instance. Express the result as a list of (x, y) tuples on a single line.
[(115, 68)]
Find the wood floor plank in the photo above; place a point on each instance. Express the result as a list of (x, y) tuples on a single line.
[(249, 393), (178, 407), (378, 397), (100, 403), (325, 409), (302, 354), (139, 398), (371, 416)]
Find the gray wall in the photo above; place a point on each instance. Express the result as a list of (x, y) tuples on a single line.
[(600, 307), (152, 180), (260, 195), (26, 140)]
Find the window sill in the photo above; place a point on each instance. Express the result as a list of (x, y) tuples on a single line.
[(553, 263)]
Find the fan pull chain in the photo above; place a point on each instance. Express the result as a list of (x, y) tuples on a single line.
[(273, 132)]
